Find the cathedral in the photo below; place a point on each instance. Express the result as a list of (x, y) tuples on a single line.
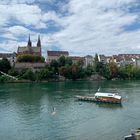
[(29, 49)]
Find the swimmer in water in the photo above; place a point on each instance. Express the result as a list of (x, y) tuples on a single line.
[(54, 112)]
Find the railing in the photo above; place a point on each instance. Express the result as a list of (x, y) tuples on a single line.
[(9, 75)]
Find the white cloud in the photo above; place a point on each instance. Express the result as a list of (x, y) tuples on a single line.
[(97, 26), (19, 30), (90, 26), (9, 46), (23, 13), (51, 15), (14, 32), (25, 1)]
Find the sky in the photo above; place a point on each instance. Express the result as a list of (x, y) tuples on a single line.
[(82, 27)]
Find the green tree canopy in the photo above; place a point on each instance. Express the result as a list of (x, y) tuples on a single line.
[(62, 61), (5, 65), (96, 63), (30, 58), (54, 66), (29, 75), (68, 61)]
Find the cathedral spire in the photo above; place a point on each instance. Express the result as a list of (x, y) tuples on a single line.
[(29, 42), (39, 41)]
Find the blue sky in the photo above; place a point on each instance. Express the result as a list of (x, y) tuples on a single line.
[(80, 27)]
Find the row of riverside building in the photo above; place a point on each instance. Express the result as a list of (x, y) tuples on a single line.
[(36, 50), (120, 59)]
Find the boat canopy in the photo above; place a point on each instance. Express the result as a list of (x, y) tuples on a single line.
[(102, 94)]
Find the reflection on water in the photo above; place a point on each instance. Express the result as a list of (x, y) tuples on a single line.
[(101, 104), (108, 105), (49, 111)]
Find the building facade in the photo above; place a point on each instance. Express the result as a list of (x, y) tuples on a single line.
[(11, 57), (121, 59), (88, 61), (33, 66), (55, 55), (76, 59)]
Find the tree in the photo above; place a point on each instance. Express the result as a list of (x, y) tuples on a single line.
[(54, 65), (113, 70), (62, 61), (89, 70), (13, 72), (5, 65), (29, 75), (100, 67), (96, 58), (63, 71), (136, 73), (96, 61), (129, 71), (68, 61), (80, 62), (4, 79), (122, 73), (44, 74), (77, 72)]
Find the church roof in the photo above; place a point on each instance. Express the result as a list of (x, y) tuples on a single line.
[(22, 49), (25, 49), (36, 49)]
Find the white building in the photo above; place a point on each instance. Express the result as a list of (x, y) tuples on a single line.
[(10, 56), (88, 61), (55, 55)]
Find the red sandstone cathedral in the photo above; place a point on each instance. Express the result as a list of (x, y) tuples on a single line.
[(29, 49)]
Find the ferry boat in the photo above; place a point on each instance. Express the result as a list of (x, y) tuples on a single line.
[(108, 97), (102, 97)]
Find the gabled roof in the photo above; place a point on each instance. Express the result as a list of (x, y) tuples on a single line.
[(102, 57), (88, 56), (5, 55), (24, 49), (77, 58), (36, 49), (57, 53)]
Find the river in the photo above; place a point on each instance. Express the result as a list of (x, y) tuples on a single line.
[(49, 111)]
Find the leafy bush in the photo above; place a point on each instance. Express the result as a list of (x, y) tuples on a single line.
[(4, 79), (29, 75), (13, 72)]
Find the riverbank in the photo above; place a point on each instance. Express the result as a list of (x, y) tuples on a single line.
[(96, 77), (4, 79)]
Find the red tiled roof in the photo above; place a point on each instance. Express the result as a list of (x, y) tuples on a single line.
[(5, 55), (57, 53), (77, 58)]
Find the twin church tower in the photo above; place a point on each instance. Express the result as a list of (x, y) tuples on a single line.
[(29, 49)]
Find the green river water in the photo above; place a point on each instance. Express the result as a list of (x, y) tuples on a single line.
[(27, 111)]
